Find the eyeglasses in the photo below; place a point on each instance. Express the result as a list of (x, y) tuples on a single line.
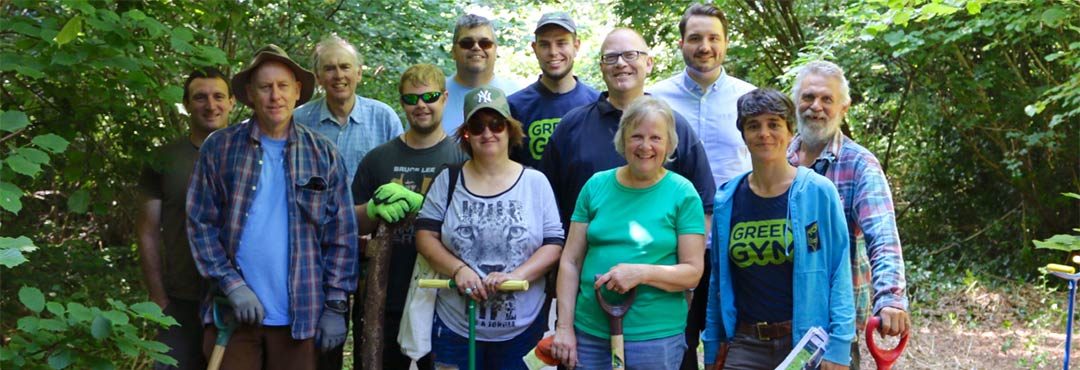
[(428, 97), (629, 56), (468, 43), (496, 126), (821, 165)]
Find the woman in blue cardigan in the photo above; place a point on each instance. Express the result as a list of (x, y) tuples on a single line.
[(785, 266)]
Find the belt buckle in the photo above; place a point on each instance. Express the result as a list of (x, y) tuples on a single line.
[(758, 327)]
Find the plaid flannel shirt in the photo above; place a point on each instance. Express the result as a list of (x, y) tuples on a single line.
[(322, 226), (877, 262)]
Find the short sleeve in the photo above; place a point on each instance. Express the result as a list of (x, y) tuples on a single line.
[(553, 228), (433, 212), (583, 212), (362, 187), (690, 216), (150, 182)]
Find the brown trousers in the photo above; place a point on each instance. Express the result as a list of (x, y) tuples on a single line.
[(262, 347)]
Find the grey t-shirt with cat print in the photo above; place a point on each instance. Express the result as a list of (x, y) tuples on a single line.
[(494, 233)]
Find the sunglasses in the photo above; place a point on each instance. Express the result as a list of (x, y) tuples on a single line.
[(468, 43), (428, 97), (477, 128)]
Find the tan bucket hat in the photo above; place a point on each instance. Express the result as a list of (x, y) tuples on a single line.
[(275, 53)]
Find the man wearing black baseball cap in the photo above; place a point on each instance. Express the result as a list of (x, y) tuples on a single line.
[(271, 223), (541, 105)]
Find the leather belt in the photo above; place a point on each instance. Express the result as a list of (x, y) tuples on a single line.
[(765, 331)]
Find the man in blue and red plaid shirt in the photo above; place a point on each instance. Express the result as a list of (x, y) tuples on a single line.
[(877, 263), (271, 223)]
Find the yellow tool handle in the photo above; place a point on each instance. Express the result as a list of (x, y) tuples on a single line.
[(1060, 268), (509, 285), (216, 357)]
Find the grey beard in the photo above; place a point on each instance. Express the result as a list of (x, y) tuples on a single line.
[(815, 136)]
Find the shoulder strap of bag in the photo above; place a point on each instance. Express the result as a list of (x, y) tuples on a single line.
[(455, 171)]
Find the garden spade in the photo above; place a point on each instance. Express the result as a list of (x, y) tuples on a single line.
[(615, 315), (226, 323)]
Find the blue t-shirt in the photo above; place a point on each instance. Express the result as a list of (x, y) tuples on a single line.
[(760, 255), (263, 254), (539, 110)]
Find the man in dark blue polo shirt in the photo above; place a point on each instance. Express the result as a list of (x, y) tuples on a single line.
[(540, 106), (583, 142)]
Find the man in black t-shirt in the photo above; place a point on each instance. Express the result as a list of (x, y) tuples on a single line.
[(396, 175), (168, 269)]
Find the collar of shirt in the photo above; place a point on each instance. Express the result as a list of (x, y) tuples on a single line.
[(833, 147), (540, 87), (692, 86), (325, 117), (605, 107), (256, 134)]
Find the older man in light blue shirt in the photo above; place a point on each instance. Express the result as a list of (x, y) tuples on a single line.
[(354, 123), (707, 97)]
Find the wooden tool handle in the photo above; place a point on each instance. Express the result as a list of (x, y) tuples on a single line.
[(618, 352), (509, 285), (216, 357)]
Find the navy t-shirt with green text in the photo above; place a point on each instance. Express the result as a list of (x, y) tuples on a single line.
[(539, 110), (761, 256)]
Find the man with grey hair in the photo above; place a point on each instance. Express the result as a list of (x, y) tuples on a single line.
[(474, 51), (822, 97), (706, 95), (354, 123)]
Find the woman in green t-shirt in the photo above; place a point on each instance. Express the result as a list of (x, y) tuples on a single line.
[(636, 226)]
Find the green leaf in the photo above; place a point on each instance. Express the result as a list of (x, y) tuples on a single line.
[(13, 120), (935, 9), (9, 198), (51, 142), (55, 309), (53, 325), (70, 31), (101, 327), (79, 201), (22, 165), (1061, 242), (11, 249), (28, 324), (135, 15), (172, 94), (29, 71), (1052, 17), (32, 299), (1071, 195), (116, 317), (79, 313), (895, 37), (162, 357), (33, 155), (60, 359)]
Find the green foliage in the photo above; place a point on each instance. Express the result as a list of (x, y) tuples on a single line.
[(56, 334), (1062, 242), (971, 106)]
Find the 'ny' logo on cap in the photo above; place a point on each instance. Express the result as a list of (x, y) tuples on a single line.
[(484, 96)]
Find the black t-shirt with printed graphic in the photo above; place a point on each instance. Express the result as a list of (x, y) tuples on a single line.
[(761, 256)]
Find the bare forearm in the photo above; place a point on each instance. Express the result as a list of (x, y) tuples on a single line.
[(672, 278), (366, 225), (566, 289), (441, 260), (539, 263)]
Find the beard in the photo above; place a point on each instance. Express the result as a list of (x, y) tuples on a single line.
[(426, 130), (817, 131)]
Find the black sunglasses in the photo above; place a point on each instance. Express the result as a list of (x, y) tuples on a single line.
[(821, 165), (468, 43), (496, 126), (428, 97)]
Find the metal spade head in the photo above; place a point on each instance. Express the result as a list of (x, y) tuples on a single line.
[(224, 320)]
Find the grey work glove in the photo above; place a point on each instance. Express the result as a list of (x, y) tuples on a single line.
[(331, 331), (246, 306)]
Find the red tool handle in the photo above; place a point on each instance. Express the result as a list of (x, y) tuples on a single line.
[(884, 358)]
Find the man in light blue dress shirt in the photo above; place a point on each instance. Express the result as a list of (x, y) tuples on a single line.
[(706, 96), (354, 123)]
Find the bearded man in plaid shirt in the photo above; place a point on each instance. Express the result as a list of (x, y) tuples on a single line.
[(877, 264), (271, 223)]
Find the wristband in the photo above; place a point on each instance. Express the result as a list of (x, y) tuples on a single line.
[(456, 270)]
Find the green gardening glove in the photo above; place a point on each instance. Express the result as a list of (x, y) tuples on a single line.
[(389, 212), (392, 192)]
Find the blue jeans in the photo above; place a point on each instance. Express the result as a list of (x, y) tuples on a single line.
[(594, 353), (452, 351)]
